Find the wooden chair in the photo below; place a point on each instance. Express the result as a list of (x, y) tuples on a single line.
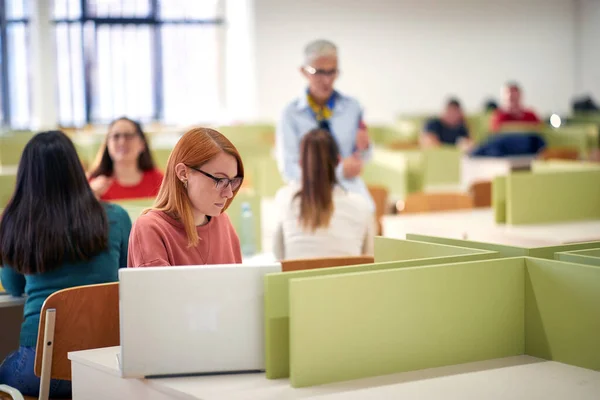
[(427, 202), (559, 153), (380, 198), (314, 263), (481, 192), (79, 318)]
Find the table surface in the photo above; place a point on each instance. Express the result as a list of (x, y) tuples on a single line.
[(479, 225), (7, 300), (520, 377)]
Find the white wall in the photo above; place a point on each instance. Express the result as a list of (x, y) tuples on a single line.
[(408, 55), (589, 47)]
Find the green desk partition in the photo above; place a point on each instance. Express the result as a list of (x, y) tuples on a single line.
[(235, 214), (378, 322), (499, 199), (388, 249), (134, 207), (503, 250), (562, 312), (266, 178), (7, 187), (541, 166), (441, 166), (392, 178), (589, 257), (277, 292), (375, 323), (544, 198), (548, 252)]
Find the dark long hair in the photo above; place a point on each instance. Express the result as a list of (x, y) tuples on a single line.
[(103, 164), (53, 216), (319, 155)]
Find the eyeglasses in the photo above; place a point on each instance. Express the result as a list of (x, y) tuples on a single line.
[(127, 136), (222, 183), (321, 72)]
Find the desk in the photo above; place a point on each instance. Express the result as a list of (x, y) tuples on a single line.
[(11, 316), (96, 376), (479, 225)]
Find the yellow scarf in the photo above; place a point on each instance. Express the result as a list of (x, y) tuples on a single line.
[(322, 113)]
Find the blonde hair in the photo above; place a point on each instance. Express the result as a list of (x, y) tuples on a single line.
[(195, 148)]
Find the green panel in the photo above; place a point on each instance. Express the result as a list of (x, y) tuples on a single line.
[(366, 324), (545, 198), (11, 147), (562, 312), (235, 214), (134, 207), (388, 249), (589, 257), (161, 157), (499, 199), (574, 136), (550, 251), (277, 302), (266, 178), (441, 166), (392, 178), (540, 166), (8, 182), (505, 251)]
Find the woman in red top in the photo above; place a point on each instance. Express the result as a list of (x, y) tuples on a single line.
[(124, 168)]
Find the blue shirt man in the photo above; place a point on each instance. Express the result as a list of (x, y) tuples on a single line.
[(322, 106)]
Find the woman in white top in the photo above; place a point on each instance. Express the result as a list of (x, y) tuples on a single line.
[(318, 218)]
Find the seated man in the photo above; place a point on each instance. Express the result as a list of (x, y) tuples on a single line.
[(512, 109), (449, 129)]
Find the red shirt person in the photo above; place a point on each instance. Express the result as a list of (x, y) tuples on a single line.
[(124, 168), (512, 110)]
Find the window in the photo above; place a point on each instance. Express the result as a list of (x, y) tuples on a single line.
[(147, 59), (14, 64)]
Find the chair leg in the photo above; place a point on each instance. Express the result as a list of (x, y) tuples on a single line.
[(12, 392), (47, 354)]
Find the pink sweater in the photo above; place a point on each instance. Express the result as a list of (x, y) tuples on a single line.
[(158, 240)]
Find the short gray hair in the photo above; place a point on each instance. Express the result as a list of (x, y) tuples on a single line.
[(319, 48)]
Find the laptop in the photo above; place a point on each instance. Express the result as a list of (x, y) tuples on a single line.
[(192, 320)]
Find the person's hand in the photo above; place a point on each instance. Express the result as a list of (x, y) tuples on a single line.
[(362, 139), (352, 166), (100, 185)]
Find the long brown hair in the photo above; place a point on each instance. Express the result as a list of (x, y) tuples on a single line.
[(53, 217), (196, 147), (103, 164), (319, 156)]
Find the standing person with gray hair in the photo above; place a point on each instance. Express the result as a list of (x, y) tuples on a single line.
[(321, 106)]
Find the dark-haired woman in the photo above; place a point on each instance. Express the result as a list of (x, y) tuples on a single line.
[(124, 168), (319, 218), (54, 234)]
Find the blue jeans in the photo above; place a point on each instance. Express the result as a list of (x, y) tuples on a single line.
[(17, 371)]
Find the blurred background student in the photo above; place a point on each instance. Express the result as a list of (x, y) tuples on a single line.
[(318, 217), (321, 106), (54, 234), (449, 129), (512, 109), (124, 168), (187, 224)]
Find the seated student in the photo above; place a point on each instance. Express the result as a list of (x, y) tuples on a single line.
[(512, 110), (186, 225), (318, 217), (124, 168), (54, 234), (450, 129)]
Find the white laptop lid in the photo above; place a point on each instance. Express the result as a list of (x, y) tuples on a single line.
[(192, 319)]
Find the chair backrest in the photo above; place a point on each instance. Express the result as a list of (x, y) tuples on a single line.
[(314, 263), (481, 192), (426, 202), (380, 198), (559, 153), (86, 317)]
